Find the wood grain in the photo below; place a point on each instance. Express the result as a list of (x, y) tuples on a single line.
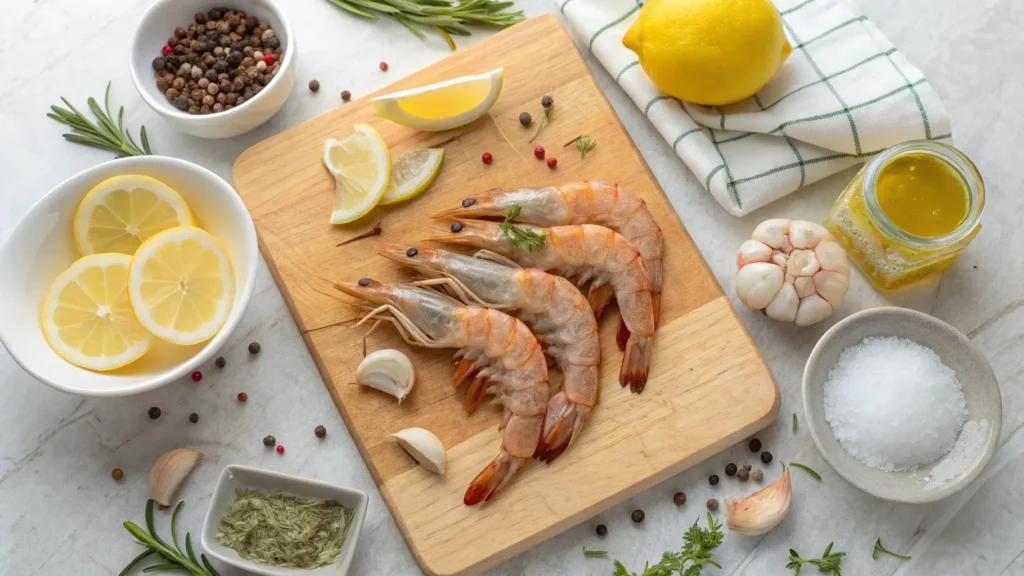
[(708, 386)]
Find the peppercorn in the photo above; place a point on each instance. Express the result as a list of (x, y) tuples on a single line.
[(159, 63), (552, 162), (602, 529), (730, 469), (712, 504), (679, 498), (757, 475), (346, 95), (412, 252), (525, 119), (178, 84), (320, 431), (154, 413), (269, 440), (487, 158), (314, 85), (637, 516), (538, 152), (713, 479), (167, 50), (216, 14), (546, 101), (766, 457), (220, 362), (117, 473), (754, 445), (193, 417), (242, 396), (742, 474), (162, 84), (365, 282), (384, 66), (268, 59), (280, 449), (217, 106), (456, 227), (254, 348)]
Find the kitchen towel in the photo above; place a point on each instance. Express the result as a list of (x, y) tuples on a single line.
[(843, 95)]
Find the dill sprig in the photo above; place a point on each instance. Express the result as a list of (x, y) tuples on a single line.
[(583, 144), (881, 549), (104, 135), (828, 563), (698, 546), (171, 558), (521, 238)]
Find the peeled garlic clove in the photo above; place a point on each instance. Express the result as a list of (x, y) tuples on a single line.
[(772, 232), (761, 511), (389, 371), (758, 283), (784, 306), (424, 447), (169, 471), (753, 251)]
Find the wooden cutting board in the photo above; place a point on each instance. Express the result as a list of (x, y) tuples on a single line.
[(708, 386)]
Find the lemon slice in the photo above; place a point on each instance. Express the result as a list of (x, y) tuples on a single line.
[(120, 213), (442, 106), (361, 165), (86, 317), (412, 173), (181, 286)]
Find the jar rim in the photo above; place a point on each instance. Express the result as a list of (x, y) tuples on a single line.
[(957, 161)]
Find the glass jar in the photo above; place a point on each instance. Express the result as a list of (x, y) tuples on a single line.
[(890, 256)]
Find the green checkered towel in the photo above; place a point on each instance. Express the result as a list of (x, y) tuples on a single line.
[(844, 95)]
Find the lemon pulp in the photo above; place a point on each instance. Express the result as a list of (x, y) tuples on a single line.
[(439, 104), (922, 195)]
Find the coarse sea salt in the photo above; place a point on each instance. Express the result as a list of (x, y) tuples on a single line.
[(893, 404)]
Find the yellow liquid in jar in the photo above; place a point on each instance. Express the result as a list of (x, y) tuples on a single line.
[(922, 195)]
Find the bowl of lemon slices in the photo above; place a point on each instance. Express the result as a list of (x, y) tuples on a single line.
[(127, 276)]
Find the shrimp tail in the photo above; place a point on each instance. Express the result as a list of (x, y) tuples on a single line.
[(599, 297), (493, 478), (563, 423), (465, 372), (635, 363)]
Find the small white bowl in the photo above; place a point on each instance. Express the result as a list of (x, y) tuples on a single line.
[(234, 477), (977, 442), (158, 24), (41, 247)]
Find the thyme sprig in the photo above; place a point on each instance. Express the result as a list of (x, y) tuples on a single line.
[(829, 563), (698, 546), (583, 144), (521, 238), (447, 17), (105, 134), (172, 558), (881, 549)]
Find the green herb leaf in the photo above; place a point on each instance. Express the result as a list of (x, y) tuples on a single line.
[(593, 553), (585, 144), (807, 469), (446, 17), (698, 546), (522, 238), (829, 563), (880, 548), (544, 121), (794, 421), (105, 135)]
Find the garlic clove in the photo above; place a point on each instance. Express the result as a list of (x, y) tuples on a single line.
[(832, 287), (772, 232), (812, 309), (761, 511), (424, 447), (804, 234), (784, 306), (832, 256), (169, 471), (389, 371), (752, 251), (758, 283)]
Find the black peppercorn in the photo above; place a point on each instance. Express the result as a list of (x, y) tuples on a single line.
[(679, 498), (525, 119), (254, 348), (730, 469), (546, 101), (602, 529), (456, 227), (468, 202), (234, 59), (200, 18), (181, 103), (216, 14), (220, 362), (766, 457), (320, 431), (154, 413), (637, 516), (411, 252), (269, 440), (712, 504), (159, 63), (193, 417), (754, 445), (365, 281), (314, 85), (713, 479)]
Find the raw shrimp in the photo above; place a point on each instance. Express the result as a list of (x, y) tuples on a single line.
[(588, 202), (587, 252), (513, 366), (550, 305)]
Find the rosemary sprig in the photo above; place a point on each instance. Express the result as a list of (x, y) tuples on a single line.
[(807, 469), (104, 135), (794, 421), (880, 548), (544, 121), (521, 238), (828, 563), (172, 558), (594, 553), (446, 17)]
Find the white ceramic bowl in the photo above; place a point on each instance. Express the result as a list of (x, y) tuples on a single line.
[(234, 477), (158, 24), (41, 247), (977, 442)]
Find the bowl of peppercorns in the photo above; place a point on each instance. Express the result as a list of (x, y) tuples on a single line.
[(213, 70)]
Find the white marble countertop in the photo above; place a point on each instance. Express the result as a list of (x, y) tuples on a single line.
[(61, 513)]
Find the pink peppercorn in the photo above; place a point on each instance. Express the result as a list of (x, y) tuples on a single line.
[(552, 162), (269, 59), (280, 449), (197, 376), (487, 158)]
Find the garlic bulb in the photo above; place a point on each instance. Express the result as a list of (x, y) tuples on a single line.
[(424, 447), (761, 511), (793, 270), (388, 371), (169, 471)]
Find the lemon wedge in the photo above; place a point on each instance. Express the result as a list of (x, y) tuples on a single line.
[(412, 173), (442, 106), (361, 165), (181, 286), (86, 317), (120, 213)]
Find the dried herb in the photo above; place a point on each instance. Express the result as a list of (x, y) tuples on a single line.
[(880, 548), (807, 469), (375, 231), (105, 135), (284, 531), (698, 546), (171, 558), (544, 121), (521, 238), (583, 144), (594, 553), (828, 563)]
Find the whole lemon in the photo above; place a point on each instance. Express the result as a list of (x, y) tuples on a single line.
[(709, 52)]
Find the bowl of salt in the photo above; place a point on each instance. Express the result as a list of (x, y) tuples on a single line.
[(902, 405)]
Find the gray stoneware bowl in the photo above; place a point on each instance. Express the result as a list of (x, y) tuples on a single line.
[(977, 441)]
